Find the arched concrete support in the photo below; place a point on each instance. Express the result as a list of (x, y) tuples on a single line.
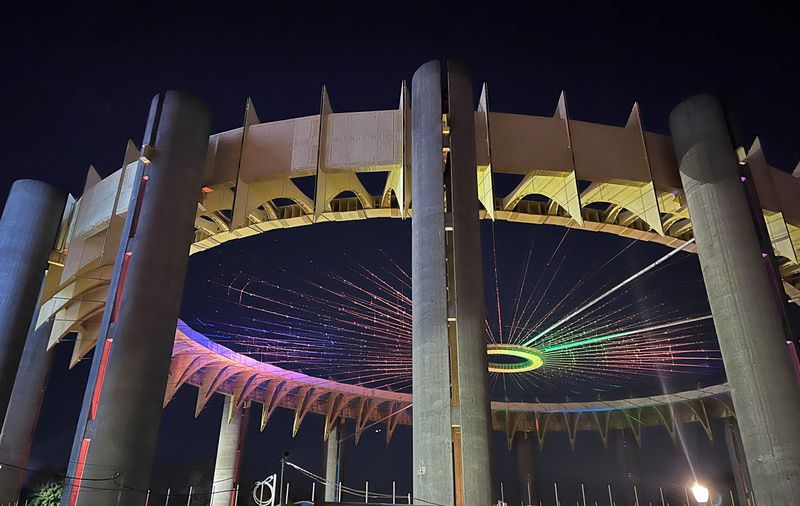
[(26, 400), (232, 432), (28, 229), (432, 462), (117, 430), (332, 459), (747, 320)]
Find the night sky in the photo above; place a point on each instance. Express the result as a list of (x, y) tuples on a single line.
[(78, 80)]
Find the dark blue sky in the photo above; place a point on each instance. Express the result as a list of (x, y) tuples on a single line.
[(78, 77)]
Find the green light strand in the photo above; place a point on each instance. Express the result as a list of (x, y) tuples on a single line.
[(625, 333)]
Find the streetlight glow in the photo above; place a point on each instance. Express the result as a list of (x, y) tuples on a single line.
[(700, 492)]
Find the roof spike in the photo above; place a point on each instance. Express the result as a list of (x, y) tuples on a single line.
[(561, 108), (403, 94), (483, 101), (92, 178), (325, 104), (634, 118), (755, 147)]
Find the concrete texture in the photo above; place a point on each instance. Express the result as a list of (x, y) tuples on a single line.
[(26, 400), (121, 438), (741, 478), (525, 455), (747, 320), (28, 229), (332, 459), (466, 291), (432, 461), (232, 432)]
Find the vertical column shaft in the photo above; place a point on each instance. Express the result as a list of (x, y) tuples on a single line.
[(746, 318), (118, 426), (26, 400), (232, 430), (465, 287), (333, 462), (28, 231), (523, 448), (733, 441), (431, 431)]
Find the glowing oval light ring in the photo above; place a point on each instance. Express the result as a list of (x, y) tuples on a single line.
[(530, 358)]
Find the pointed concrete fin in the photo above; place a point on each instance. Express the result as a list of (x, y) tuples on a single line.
[(755, 147), (404, 187), (250, 114), (319, 184), (796, 171), (483, 102), (241, 207), (92, 178), (325, 103), (403, 95), (131, 153), (561, 108), (634, 118)]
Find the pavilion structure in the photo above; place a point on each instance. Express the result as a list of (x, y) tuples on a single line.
[(110, 266)]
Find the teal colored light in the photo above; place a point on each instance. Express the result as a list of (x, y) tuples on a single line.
[(591, 340), (624, 333)]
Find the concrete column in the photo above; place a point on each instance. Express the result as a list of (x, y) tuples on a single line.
[(525, 455), (118, 427), (26, 400), (229, 453), (747, 320), (431, 430), (471, 415), (332, 459), (733, 440), (28, 229)]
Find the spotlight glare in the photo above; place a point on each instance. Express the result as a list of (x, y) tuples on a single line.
[(700, 492)]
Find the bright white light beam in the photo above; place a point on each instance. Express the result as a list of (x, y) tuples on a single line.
[(607, 293)]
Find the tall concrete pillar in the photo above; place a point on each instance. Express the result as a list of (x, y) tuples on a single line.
[(117, 430), (471, 417), (28, 229), (232, 432), (431, 429), (747, 320), (449, 362), (733, 440), (526, 473), (332, 459), (26, 400)]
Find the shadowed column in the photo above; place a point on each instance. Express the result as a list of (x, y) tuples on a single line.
[(114, 445), (432, 464), (26, 400), (465, 289), (28, 231), (232, 432), (747, 320), (332, 458)]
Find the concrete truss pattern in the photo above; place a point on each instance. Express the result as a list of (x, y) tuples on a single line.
[(614, 179), (213, 368)]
